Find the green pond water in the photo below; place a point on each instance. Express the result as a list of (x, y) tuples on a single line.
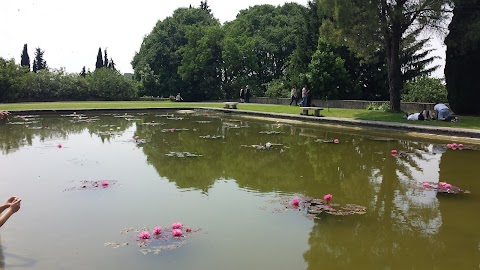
[(235, 197)]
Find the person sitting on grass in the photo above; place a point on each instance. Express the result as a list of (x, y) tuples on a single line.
[(178, 98), (442, 113), (421, 116)]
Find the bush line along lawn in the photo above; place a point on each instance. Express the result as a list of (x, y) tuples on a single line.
[(467, 122)]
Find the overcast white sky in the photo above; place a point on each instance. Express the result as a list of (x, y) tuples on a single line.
[(70, 32)]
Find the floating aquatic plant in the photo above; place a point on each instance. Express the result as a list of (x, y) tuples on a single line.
[(443, 187), (182, 154), (91, 185), (144, 235), (168, 239), (177, 225)]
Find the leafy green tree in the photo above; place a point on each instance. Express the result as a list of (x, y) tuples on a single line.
[(161, 50), (259, 44), (25, 59), (328, 76), (12, 80), (107, 84), (99, 63), (201, 64), (307, 35), (425, 89), (463, 57), (367, 26), (39, 63), (149, 81)]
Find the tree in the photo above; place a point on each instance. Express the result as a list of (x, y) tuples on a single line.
[(204, 6), (25, 59), (415, 57), (12, 80), (201, 64), (99, 63), (463, 58), (369, 25), (105, 59), (328, 76), (39, 63), (111, 65), (83, 73), (160, 50), (259, 44)]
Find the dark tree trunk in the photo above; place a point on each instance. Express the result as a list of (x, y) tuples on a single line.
[(395, 83)]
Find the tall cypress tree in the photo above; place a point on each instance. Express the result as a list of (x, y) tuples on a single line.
[(105, 59), (25, 62), (39, 63), (99, 63), (84, 72)]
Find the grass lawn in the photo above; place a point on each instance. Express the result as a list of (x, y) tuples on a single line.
[(469, 122)]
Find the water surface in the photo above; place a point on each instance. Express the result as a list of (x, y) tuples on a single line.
[(234, 194)]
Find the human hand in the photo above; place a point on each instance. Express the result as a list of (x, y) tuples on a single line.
[(4, 114), (11, 200), (15, 205)]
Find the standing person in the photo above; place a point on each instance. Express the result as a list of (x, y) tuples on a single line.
[(242, 93), (247, 94), (294, 95), (304, 95), (8, 209)]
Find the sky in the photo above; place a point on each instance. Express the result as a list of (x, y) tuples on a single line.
[(70, 32)]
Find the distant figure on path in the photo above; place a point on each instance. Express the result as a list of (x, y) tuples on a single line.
[(294, 96), (247, 94), (305, 95), (242, 94), (178, 98)]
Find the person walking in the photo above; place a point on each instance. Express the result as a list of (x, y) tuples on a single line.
[(305, 95), (242, 94), (247, 94), (294, 96)]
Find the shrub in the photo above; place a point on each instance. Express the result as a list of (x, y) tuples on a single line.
[(425, 89), (277, 89), (384, 106)]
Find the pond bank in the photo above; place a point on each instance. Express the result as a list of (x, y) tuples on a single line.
[(471, 134)]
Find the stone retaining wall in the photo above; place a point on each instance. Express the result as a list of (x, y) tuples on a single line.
[(346, 104)]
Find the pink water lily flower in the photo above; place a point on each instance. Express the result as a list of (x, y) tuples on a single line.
[(447, 186), (327, 197), (177, 225), (425, 184), (177, 232), (144, 235), (188, 229), (157, 230), (393, 152), (442, 184), (105, 183), (296, 202)]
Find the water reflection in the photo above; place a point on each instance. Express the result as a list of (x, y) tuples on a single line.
[(405, 227)]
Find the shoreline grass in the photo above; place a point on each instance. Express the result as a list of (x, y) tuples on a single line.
[(466, 122)]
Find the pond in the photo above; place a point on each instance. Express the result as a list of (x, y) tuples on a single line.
[(231, 181)]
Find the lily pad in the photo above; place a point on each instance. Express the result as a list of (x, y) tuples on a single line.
[(182, 154)]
